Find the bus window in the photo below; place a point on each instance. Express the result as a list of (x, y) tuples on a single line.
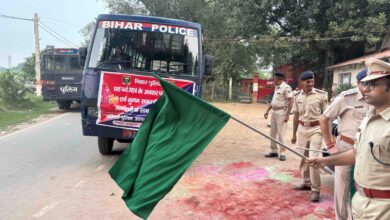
[(123, 49)]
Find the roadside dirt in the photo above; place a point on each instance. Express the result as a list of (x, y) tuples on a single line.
[(53, 112)]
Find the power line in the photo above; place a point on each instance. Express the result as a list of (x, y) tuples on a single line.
[(52, 32), (268, 39), (59, 21), (44, 27), (55, 36), (18, 18)]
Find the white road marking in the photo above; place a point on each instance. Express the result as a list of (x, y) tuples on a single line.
[(35, 125), (100, 167), (46, 208)]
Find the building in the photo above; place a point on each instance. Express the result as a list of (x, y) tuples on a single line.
[(345, 72)]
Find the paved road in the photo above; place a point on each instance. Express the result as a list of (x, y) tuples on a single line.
[(46, 170)]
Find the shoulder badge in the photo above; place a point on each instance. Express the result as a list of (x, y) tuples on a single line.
[(320, 91), (349, 92)]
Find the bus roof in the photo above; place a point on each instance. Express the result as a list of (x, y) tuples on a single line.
[(151, 19), (60, 51)]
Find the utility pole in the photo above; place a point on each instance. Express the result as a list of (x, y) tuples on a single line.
[(230, 88), (9, 61), (37, 57)]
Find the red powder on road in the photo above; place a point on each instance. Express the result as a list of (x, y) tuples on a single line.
[(243, 191), (293, 172), (239, 165), (268, 199)]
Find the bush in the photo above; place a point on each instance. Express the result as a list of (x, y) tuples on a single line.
[(12, 88), (343, 87)]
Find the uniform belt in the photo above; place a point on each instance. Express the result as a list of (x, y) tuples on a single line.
[(278, 108), (347, 139), (373, 193), (309, 123)]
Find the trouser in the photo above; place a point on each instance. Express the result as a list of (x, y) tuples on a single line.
[(342, 184), (370, 209), (278, 129), (311, 138)]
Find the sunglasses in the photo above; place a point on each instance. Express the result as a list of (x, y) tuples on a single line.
[(372, 85)]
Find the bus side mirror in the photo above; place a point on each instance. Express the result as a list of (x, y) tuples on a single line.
[(83, 55), (208, 64)]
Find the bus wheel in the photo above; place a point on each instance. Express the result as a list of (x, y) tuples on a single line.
[(64, 104), (105, 145)]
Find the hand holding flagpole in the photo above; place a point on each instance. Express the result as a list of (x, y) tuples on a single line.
[(326, 169)]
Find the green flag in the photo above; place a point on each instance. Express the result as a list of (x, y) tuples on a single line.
[(177, 129)]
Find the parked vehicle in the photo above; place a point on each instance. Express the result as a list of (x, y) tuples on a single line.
[(118, 87), (61, 74)]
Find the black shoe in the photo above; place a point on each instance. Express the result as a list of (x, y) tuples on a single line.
[(302, 187), (282, 157), (314, 196), (271, 154)]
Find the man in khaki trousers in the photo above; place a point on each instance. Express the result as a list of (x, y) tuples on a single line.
[(281, 105), (350, 108), (308, 106), (371, 152)]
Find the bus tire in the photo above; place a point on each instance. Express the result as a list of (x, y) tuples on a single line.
[(105, 145), (65, 105)]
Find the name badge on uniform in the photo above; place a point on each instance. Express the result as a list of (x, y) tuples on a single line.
[(360, 106)]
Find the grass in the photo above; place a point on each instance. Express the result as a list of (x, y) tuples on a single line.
[(31, 108)]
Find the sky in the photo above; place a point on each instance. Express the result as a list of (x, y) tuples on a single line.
[(65, 17)]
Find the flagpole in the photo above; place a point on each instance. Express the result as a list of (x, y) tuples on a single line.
[(321, 151), (326, 169)]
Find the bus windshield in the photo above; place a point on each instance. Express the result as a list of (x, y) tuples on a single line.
[(145, 47), (61, 62)]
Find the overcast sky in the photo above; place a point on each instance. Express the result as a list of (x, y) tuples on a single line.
[(65, 17)]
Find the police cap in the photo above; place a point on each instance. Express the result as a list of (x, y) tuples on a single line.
[(376, 69), (307, 75), (279, 74), (360, 75)]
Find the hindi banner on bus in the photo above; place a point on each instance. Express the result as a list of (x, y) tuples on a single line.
[(125, 99)]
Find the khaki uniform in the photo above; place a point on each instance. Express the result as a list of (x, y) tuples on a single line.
[(279, 106), (310, 106), (351, 108), (369, 173)]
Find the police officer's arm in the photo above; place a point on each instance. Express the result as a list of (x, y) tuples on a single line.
[(325, 130), (335, 109), (295, 127), (341, 159), (266, 113), (289, 107), (295, 120)]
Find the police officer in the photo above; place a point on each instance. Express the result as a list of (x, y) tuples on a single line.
[(281, 105), (371, 152), (308, 106), (350, 108)]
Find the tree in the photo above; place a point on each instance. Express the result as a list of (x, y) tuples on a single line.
[(28, 66), (12, 89), (86, 33), (311, 33)]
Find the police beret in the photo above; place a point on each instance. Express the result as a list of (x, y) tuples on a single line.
[(360, 75), (376, 69), (307, 75), (279, 74)]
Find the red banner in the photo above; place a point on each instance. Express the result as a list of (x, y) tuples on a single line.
[(125, 99)]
